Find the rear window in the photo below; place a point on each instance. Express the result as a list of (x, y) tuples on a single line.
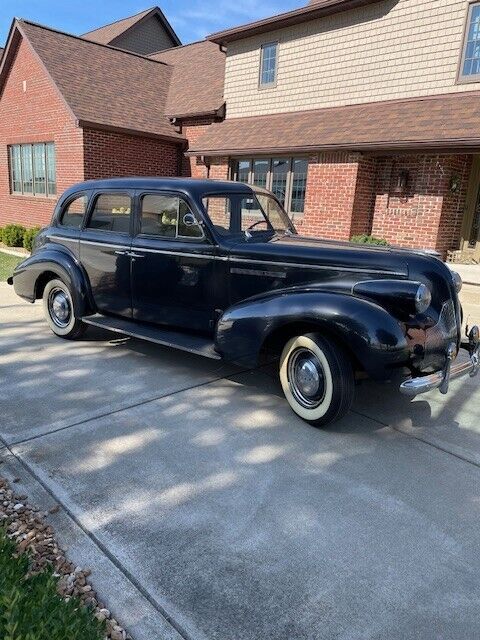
[(72, 216)]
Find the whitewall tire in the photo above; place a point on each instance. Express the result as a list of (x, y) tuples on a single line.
[(317, 378), (59, 310)]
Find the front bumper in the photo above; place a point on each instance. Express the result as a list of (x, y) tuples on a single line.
[(441, 379)]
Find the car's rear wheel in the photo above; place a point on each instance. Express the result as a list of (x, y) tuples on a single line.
[(59, 310), (317, 378)]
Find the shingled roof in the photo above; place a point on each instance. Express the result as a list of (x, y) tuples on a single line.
[(439, 122), (102, 86), (108, 33), (196, 87)]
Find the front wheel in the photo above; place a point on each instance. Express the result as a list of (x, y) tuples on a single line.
[(317, 378), (59, 310)]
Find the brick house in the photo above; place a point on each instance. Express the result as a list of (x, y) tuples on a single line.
[(78, 108), (361, 115)]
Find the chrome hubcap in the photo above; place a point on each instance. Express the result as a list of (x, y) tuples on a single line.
[(306, 378), (59, 307)]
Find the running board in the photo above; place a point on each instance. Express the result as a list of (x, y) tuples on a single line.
[(176, 339)]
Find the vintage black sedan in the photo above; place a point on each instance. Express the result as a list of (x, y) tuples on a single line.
[(218, 269)]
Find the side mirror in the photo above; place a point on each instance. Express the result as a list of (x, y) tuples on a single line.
[(189, 220)]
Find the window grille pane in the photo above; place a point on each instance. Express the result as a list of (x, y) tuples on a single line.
[(243, 171), (39, 176), (27, 172), (299, 184), (280, 170), (15, 169), (51, 170), (260, 172), (268, 64), (471, 62)]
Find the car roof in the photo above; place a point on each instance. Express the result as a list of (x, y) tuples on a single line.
[(191, 186)]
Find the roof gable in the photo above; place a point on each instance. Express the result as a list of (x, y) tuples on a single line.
[(102, 86), (118, 30)]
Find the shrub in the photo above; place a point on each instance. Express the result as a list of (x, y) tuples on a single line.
[(1, 234), (29, 237), (30, 607), (12, 235), (366, 239)]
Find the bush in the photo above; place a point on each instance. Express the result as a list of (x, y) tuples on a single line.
[(29, 237), (366, 239), (12, 235), (30, 607)]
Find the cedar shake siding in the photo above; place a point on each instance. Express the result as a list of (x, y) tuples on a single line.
[(393, 49)]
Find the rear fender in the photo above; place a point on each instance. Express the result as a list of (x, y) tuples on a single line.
[(367, 330), (29, 277)]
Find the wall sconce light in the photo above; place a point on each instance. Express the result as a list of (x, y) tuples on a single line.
[(402, 181), (454, 183)]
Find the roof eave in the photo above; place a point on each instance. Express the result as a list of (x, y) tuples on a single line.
[(470, 145), (87, 124), (310, 12)]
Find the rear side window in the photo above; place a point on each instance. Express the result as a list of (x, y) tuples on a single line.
[(72, 215), (168, 216), (111, 212)]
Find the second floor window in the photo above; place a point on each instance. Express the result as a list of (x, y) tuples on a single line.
[(470, 68), (268, 64), (32, 169)]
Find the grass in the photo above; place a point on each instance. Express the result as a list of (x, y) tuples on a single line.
[(7, 265), (30, 608)]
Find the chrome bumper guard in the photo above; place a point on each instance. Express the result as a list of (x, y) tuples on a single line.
[(441, 379)]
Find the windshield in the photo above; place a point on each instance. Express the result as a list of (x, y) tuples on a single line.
[(248, 216)]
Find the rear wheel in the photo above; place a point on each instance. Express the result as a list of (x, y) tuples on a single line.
[(317, 378), (59, 310)]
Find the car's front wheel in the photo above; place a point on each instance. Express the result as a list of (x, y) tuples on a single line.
[(59, 310), (317, 378)]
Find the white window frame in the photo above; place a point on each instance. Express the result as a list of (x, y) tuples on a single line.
[(273, 83), (461, 77), (48, 193)]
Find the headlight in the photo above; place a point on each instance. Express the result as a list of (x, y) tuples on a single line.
[(423, 298), (457, 281)]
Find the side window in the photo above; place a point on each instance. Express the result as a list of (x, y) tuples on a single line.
[(72, 215), (268, 64), (111, 213), (169, 217)]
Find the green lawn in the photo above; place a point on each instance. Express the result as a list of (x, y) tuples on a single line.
[(7, 265)]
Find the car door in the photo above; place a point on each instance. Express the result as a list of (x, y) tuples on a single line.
[(173, 264), (105, 243)]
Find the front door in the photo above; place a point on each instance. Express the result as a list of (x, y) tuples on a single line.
[(471, 228), (104, 245), (174, 266)]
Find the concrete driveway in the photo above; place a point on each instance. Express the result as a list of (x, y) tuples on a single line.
[(207, 510)]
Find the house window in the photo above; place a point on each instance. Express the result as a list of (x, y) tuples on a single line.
[(32, 169), (285, 177), (470, 65), (268, 64)]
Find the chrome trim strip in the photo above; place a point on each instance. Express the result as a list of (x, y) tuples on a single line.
[(182, 254), (322, 267), (65, 239), (107, 245)]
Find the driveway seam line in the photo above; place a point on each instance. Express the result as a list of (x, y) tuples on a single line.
[(103, 548), (127, 408), (420, 439)]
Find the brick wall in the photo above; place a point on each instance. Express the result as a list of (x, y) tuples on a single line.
[(113, 154), (34, 112), (193, 129), (428, 214), (334, 195)]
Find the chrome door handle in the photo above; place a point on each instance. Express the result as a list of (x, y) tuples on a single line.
[(121, 253), (132, 254)]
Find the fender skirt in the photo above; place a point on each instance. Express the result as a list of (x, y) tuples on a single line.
[(366, 329)]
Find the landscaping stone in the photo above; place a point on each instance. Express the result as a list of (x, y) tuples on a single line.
[(26, 526)]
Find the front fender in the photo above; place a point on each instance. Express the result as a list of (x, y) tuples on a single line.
[(29, 273), (366, 329)]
